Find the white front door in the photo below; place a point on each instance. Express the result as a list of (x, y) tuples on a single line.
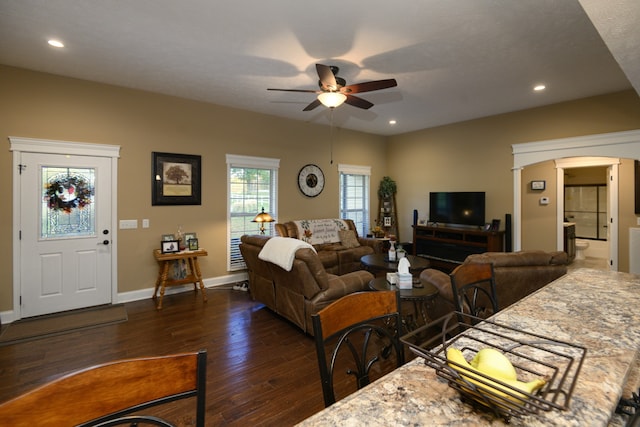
[(65, 232)]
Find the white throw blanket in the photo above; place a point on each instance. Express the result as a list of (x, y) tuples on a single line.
[(282, 251)]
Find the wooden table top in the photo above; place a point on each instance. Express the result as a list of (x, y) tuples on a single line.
[(381, 262), (426, 292), (178, 255)]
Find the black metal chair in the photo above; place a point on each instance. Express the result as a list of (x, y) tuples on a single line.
[(474, 290), (105, 395), (354, 334)]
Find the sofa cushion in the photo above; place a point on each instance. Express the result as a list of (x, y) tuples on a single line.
[(329, 260), (519, 259), (348, 239), (440, 280)]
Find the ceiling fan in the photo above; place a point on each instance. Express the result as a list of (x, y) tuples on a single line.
[(334, 90)]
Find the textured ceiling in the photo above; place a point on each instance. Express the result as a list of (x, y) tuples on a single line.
[(453, 60)]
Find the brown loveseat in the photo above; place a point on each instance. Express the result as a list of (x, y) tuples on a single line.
[(301, 292), (337, 256), (517, 274)]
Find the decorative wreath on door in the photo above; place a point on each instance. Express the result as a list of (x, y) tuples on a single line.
[(68, 192)]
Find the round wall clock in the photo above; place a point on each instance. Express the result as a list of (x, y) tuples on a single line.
[(311, 180)]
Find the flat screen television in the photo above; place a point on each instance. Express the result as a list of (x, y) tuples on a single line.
[(457, 208)]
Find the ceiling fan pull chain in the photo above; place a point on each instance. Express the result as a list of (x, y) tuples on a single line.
[(331, 135)]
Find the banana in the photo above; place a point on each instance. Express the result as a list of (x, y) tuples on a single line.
[(493, 363), (484, 384)]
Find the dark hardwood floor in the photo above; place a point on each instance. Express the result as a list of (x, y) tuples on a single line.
[(261, 369)]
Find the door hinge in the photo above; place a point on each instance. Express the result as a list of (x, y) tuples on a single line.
[(20, 300), (21, 167), (20, 235)]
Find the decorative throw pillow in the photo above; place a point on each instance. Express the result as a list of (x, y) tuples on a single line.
[(348, 239)]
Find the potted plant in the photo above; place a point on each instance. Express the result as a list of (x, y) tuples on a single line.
[(387, 188)]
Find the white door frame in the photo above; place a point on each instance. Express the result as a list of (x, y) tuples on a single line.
[(612, 164), (30, 145), (624, 144)]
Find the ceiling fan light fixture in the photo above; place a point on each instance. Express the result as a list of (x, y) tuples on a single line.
[(332, 99)]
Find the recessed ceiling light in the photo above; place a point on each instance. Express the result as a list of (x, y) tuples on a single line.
[(55, 43), (392, 122), (538, 88)]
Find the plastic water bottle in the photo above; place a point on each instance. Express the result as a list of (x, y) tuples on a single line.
[(392, 252)]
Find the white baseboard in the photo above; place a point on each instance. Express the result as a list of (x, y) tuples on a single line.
[(9, 316), (208, 283)]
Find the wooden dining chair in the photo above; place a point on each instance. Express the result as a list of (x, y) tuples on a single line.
[(474, 289), (107, 394), (356, 334)]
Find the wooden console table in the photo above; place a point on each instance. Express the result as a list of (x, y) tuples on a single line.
[(448, 247), (194, 276)]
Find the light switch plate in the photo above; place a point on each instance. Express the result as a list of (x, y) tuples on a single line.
[(128, 224), (145, 223)]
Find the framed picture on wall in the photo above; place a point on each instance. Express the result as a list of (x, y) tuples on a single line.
[(175, 179)]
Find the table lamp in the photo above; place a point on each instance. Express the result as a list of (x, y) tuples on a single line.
[(262, 217)]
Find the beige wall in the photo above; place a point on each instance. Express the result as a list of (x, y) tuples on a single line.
[(538, 220), (586, 176), (43, 106), (474, 155)]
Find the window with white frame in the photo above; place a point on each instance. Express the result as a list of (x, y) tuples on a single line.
[(253, 186), (354, 195)]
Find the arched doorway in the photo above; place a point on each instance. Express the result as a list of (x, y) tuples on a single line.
[(607, 146)]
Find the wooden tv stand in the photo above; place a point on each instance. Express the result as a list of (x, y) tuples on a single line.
[(447, 247)]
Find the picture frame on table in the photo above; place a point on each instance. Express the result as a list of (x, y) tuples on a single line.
[(193, 244), (175, 179), (167, 237), (169, 246), (189, 236)]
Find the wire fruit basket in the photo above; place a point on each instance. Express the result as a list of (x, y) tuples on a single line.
[(532, 355)]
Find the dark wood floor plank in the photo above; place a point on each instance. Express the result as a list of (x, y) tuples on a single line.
[(261, 369)]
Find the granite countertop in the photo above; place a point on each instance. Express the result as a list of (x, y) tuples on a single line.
[(591, 308)]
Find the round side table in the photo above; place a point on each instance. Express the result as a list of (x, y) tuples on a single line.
[(376, 263), (418, 295)]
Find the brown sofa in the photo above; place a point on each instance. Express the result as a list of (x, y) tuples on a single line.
[(517, 274), (301, 292), (335, 256)]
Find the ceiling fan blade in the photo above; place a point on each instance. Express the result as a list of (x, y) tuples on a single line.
[(327, 78), (369, 86), (358, 102), (314, 104), (296, 90)]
